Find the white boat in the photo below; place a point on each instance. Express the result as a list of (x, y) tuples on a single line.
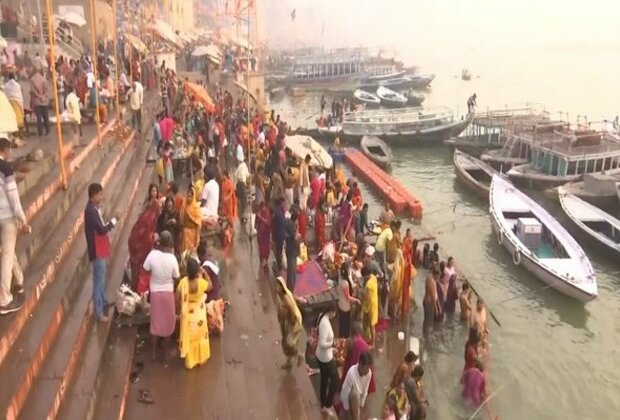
[(390, 97), (306, 145), (536, 240), (406, 126), (595, 222), (366, 97)]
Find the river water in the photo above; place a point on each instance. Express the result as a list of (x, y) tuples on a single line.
[(552, 357)]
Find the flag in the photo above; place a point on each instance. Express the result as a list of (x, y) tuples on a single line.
[(293, 14)]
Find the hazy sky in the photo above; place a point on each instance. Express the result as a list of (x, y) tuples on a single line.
[(523, 23)]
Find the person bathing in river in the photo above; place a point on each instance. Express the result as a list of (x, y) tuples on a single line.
[(473, 381), (471, 349), (452, 295), (426, 256), (431, 304), (404, 369), (478, 321), (465, 302)]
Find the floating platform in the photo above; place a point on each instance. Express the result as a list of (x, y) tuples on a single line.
[(400, 199)]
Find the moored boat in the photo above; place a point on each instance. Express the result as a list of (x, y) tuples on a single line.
[(306, 145), (598, 224), (366, 97), (567, 157), (390, 98), (407, 125), (377, 151), (597, 189), (473, 173), (536, 240), (465, 74)]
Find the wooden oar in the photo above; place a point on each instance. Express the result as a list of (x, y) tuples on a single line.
[(478, 294), (484, 403)]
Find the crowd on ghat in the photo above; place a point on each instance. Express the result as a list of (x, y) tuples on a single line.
[(220, 164), (216, 170)]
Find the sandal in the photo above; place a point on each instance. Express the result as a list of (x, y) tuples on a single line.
[(144, 396)]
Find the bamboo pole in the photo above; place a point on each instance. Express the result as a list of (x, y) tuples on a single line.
[(116, 59), (93, 37), (50, 33)]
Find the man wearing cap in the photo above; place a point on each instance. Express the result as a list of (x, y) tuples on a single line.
[(11, 217), (370, 263)]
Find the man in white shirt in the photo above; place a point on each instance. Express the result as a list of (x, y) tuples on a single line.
[(240, 177), (73, 109), (355, 387), (261, 136), (136, 99), (210, 201)]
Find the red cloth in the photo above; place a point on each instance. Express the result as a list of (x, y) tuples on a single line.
[(263, 233), (167, 127), (315, 192), (303, 225), (141, 238), (102, 245)]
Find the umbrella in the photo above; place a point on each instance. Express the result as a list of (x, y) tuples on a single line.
[(73, 19), (201, 95), (8, 120), (136, 42), (305, 145), (203, 50)]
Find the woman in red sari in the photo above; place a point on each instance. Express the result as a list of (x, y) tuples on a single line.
[(228, 201), (141, 242), (263, 233)]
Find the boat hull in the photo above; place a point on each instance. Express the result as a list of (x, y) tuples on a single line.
[(573, 207), (474, 146), (383, 161), (540, 271), (537, 181), (434, 136), (481, 189)]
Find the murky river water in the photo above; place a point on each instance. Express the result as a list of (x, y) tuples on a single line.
[(552, 357)]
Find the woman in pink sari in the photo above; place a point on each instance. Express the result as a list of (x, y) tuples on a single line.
[(263, 229)]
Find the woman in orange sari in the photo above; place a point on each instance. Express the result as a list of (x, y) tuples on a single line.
[(409, 272), (228, 200), (191, 221)]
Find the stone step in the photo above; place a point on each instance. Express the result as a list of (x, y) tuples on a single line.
[(53, 231), (29, 349), (59, 369)]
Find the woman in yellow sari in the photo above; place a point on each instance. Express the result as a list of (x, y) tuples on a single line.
[(191, 221), (194, 331), (289, 317), (396, 283)]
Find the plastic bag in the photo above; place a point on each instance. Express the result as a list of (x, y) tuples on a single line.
[(126, 300)]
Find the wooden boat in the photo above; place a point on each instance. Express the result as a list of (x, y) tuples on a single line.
[(465, 74), (473, 173), (377, 151), (366, 97), (601, 226), (597, 189), (536, 240), (567, 156), (305, 145), (390, 98), (407, 125), (380, 77)]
